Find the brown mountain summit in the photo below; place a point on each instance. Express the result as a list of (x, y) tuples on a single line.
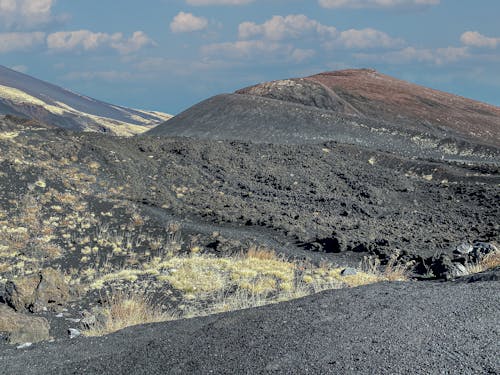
[(358, 107), (369, 93)]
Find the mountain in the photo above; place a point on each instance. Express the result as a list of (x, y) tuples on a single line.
[(371, 262), (360, 107), (25, 96)]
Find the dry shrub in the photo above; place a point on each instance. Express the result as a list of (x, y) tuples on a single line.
[(491, 261), (123, 310), (488, 262), (261, 253), (393, 271)]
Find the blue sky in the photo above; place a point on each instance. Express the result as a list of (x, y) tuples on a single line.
[(169, 54)]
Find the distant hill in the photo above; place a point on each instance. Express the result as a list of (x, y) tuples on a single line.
[(25, 96), (361, 107)]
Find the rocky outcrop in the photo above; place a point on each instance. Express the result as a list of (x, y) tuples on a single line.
[(22, 328), (39, 292)]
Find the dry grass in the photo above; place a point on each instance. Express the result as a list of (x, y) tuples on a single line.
[(393, 271), (261, 253), (123, 310), (491, 261), (488, 262)]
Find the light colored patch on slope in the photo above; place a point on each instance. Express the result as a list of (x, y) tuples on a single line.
[(89, 122), (19, 97)]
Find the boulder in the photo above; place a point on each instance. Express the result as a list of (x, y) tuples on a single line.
[(348, 272), (463, 249), (45, 290), (442, 267), (22, 328)]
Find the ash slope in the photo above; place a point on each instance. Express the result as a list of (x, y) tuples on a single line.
[(22, 95), (400, 328), (352, 110)]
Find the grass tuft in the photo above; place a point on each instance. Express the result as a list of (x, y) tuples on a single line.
[(123, 310)]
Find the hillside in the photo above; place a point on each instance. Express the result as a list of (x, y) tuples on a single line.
[(360, 107), (25, 96), (280, 237)]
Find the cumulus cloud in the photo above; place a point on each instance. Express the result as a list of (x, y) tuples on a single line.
[(367, 38), (20, 41), (218, 2), (358, 4), (137, 41), (187, 22), (25, 13), (299, 26), (87, 40), (251, 49), (291, 26), (476, 39), (291, 37), (437, 56)]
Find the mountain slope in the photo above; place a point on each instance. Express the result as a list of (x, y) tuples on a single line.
[(22, 95), (359, 107)]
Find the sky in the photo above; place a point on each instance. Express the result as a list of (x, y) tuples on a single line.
[(167, 55)]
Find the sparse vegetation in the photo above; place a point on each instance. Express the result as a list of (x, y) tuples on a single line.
[(488, 262), (122, 310)]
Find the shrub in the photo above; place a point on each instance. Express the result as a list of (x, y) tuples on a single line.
[(123, 310)]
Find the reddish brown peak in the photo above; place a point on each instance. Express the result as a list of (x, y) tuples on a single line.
[(348, 72), (380, 96)]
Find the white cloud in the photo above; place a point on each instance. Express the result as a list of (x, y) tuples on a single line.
[(26, 12), (20, 41), (291, 37), (367, 38), (137, 41), (300, 27), (187, 22), (475, 39), (358, 4), (218, 2), (88, 40), (291, 26), (251, 49), (438, 56)]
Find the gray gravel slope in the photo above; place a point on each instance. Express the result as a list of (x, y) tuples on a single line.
[(399, 328)]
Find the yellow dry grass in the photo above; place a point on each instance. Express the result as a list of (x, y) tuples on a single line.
[(125, 310), (491, 261), (488, 262)]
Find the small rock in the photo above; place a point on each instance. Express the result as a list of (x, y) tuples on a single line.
[(464, 248), (24, 346), (348, 272), (73, 333), (459, 270), (73, 320)]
